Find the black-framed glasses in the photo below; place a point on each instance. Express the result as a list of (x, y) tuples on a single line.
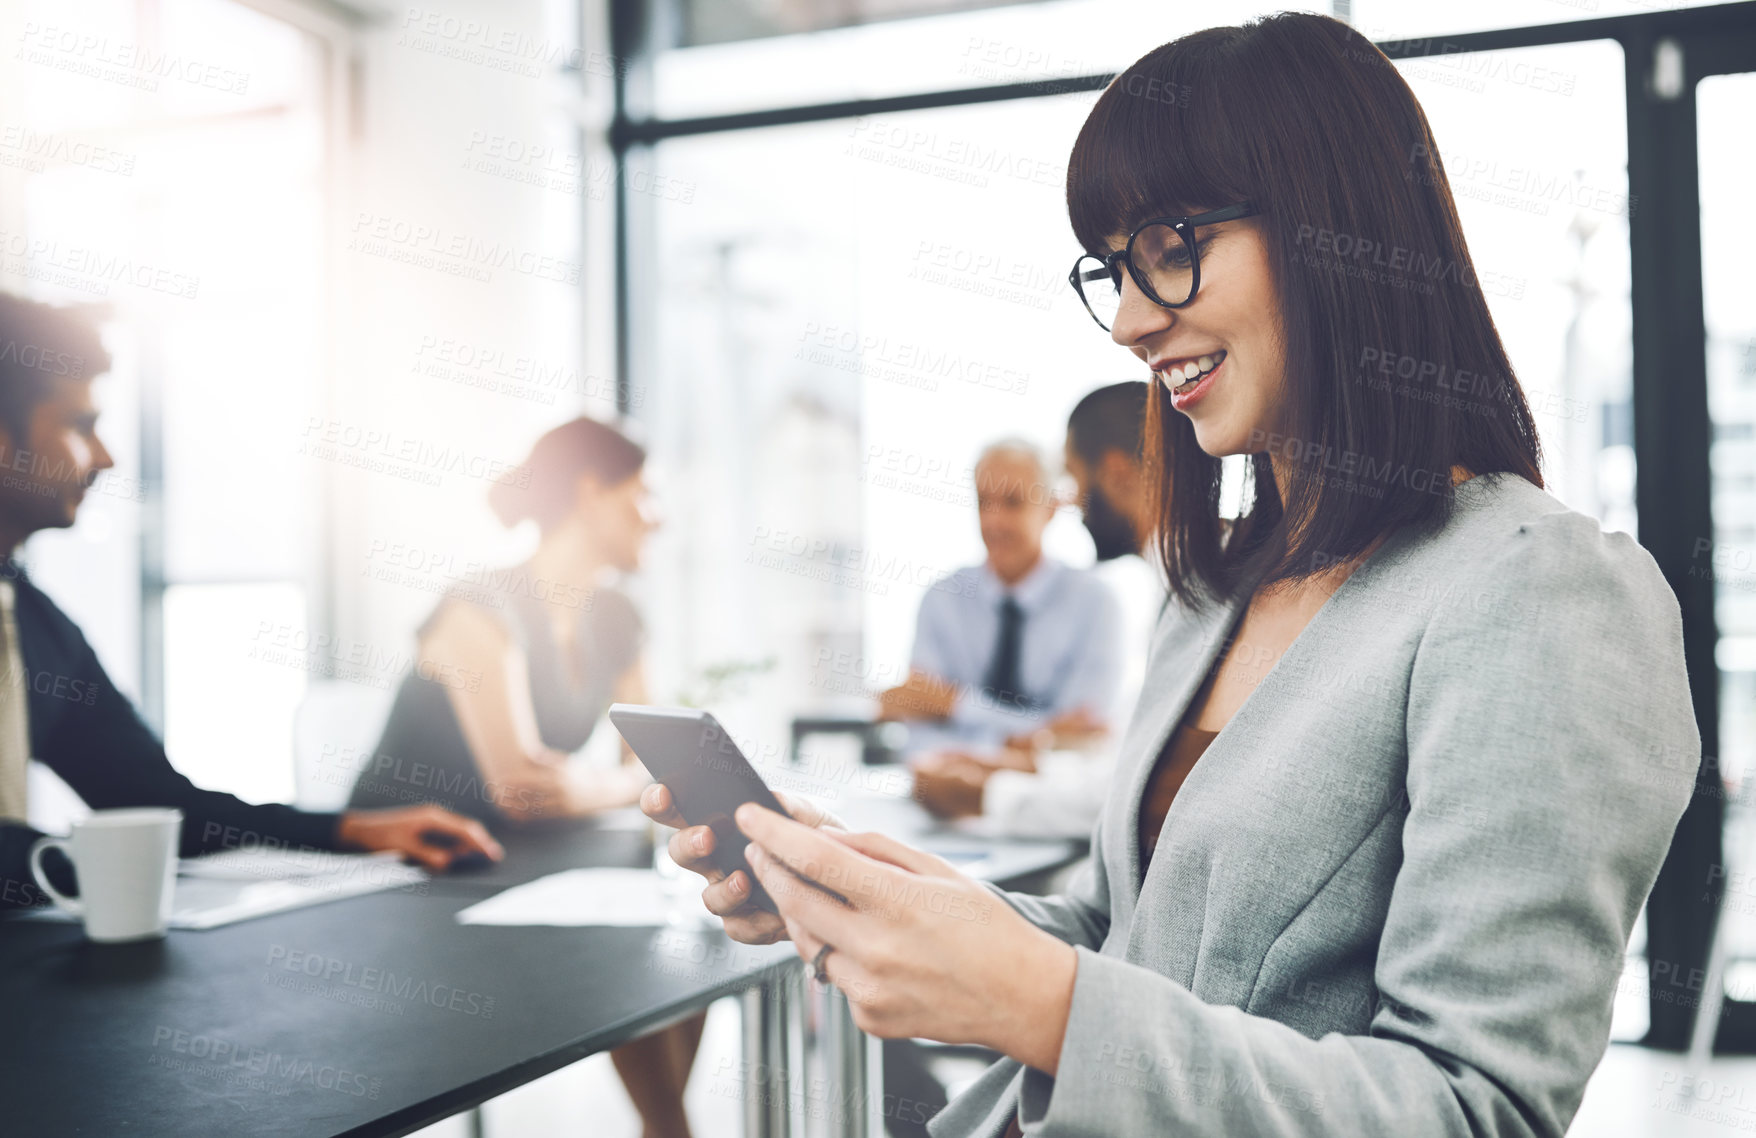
[(1161, 256)]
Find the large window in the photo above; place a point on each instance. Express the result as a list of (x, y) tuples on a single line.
[(1726, 105), (363, 262), (1026, 43), (1396, 19), (894, 286), (1534, 143), (845, 314), (167, 160)]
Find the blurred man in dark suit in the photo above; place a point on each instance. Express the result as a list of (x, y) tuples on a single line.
[(57, 704)]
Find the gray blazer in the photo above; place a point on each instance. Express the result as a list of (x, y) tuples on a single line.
[(1394, 895)]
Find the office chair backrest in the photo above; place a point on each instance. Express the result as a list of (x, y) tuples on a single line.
[(334, 733)]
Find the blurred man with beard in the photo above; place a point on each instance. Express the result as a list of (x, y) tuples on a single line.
[(1051, 782), (57, 704), (1105, 460)]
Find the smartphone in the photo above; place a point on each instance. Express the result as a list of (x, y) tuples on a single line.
[(707, 774)]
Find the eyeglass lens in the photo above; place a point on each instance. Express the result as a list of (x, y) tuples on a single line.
[(1160, 255)]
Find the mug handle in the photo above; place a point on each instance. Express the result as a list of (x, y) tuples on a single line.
[(71, 904)]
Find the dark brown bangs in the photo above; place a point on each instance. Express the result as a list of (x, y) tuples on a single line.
[(1395, 375), (1157, 142)]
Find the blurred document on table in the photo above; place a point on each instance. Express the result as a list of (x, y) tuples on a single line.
[(577, 897)]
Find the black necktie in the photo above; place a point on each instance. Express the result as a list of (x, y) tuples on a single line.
[(1003, 684)]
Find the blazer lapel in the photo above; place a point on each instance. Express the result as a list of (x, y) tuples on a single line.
[(1184, 650), (1181, 658)]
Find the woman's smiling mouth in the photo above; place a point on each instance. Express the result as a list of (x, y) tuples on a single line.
[(1188, 379)]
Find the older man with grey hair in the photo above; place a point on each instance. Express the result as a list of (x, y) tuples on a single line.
[(1016, 643)]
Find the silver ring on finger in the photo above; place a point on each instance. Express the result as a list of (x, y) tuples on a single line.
[(814, 967)]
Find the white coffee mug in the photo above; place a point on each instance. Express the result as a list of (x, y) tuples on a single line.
[(127, 866)]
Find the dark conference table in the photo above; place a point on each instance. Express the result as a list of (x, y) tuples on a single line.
[(380, 1014)]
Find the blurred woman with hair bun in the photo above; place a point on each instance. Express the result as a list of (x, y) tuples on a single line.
[(515, 670)]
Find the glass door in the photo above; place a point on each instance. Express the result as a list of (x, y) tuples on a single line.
[(1725, 107), (1692, 91)]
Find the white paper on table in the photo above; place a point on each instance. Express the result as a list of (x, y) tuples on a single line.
[(237, 885), (580, 897)]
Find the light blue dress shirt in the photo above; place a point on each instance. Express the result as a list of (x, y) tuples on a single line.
[(1070, 655)]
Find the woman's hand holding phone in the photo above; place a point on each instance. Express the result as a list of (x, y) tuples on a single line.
[(728, 896), (919, 949)]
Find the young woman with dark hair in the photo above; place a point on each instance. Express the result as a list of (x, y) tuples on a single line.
[(1414, 736), (516, 668)]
